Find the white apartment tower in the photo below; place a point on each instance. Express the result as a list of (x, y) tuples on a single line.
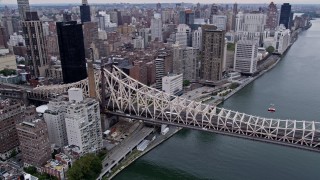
[(177, 58), (220, 21), (172, 84), (245, 57), (156, 28), (197, 39), (281, 39), (54, 117), (182, 34), (250, 26), (83, 122)]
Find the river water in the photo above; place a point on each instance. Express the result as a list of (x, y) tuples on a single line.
[(293, 86)]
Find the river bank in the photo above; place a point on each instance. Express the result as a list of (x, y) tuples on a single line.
[(136, 155)]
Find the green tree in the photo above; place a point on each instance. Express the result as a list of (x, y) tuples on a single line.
[(186, 83), (87, 167), (270, 49), (31, 170), (13, 153), (8, 72), (230, 47), (234, 85)]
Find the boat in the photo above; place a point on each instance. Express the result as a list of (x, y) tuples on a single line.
[(271, 108)]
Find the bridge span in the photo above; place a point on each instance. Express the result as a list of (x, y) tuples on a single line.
[(123, 96)]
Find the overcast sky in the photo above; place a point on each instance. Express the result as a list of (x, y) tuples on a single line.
[(168, 1)]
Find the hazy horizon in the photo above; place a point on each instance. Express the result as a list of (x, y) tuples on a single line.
[(164, 1)]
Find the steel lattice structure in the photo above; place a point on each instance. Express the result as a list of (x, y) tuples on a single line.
[(48, 92), (136, 100), (130, 98)]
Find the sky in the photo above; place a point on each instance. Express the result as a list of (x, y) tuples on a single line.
[(167, 1)]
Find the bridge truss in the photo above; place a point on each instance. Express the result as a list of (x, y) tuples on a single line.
[(127, 97), (133, 99)]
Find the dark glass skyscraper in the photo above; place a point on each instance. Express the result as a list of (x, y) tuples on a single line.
[(85, 12), (285, 15), (72, 54)]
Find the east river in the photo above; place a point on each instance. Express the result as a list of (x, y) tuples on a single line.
[(293, 86)]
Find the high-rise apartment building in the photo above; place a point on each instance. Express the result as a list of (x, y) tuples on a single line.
[(11, 113), (182, 33), (160, 72), (177, 58), (285, 15), (85, 12), (34, 142), (54, 117), (3, 37), (245, 57), (36, 45), (156, 28), (212, 51), (90, 35), (214, 11), (250, 26), (272, 16), (72, 53), (190, 63), (197, 38), (23, 7), (83, 122), (220, 21), (234, 15)]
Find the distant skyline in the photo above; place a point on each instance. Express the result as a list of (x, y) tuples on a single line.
[(165, 1)]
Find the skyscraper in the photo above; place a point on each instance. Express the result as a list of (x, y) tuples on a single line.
[(156, 28), (213, 51), (234, 14), (285, 15), (272, 16), (23, 7), (72, 54), (85, 12), (214, 11), (36, 45)]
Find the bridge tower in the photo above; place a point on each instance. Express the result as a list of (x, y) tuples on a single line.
[(92, 86)]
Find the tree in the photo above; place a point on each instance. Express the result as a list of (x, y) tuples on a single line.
[(13, 153), (234, 85), (270, 49), (186, 83), (230, 47), (87, 167), (31, 170)]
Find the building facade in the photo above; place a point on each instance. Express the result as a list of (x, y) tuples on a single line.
[(10, 114), (36, 45), (245, 58), (83, 122), (72, 53), (23, 7), (272, 16), (85, 12), (34, 142), (156, 28), (54, 116), (285, 15), (212, 53), (172, 84)]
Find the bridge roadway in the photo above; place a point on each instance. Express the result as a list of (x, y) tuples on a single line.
[(222, 132)]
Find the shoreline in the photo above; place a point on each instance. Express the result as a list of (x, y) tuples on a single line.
[(155, 144)]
